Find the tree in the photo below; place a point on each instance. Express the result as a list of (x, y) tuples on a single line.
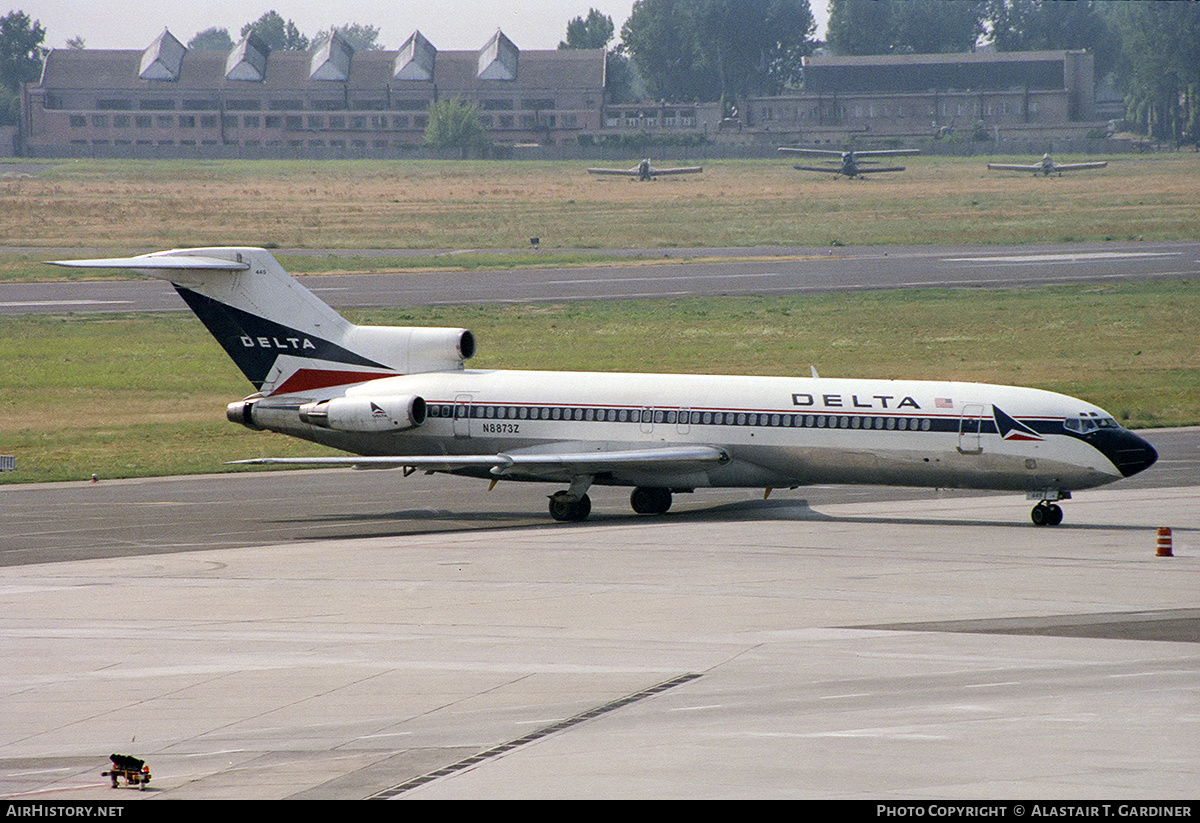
[(213, 39), (455, 123), (1160, 66), (1038, 25), (360, 37), (277, 34), (592, 33), (660, 38), (936, 26), (709, 49), (755, 46), (21, 50), (77, 43), (860, 27), (905, 26), (21, 56)]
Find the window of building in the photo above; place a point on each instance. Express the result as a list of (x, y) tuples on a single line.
[(285, 105), (156, 105)]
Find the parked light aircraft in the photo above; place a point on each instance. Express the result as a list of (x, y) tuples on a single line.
[(645, 171), (850, 163), (1047, 167), (401, 397)]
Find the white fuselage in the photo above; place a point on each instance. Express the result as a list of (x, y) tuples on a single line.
[(777, 431)]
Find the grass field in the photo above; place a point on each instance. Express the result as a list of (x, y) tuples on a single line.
[(488, 205), (145, 395)]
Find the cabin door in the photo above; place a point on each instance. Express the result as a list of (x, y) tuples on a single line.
[(462, 415), (970, 427)]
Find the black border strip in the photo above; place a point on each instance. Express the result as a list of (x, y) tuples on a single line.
[(388, 794)]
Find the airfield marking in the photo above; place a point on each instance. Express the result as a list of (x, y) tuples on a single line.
[(1061, 258), (16, 303)]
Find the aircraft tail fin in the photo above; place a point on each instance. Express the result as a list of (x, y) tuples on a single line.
[(282, 336)]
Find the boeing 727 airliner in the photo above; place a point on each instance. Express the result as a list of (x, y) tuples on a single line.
[(401, 397)]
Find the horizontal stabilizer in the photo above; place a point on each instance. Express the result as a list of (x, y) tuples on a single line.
[(157, 262)]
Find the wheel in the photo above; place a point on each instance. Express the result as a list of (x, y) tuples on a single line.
[(646, 500), (1046, 514), (570, 511)]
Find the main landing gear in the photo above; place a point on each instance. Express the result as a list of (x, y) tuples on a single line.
[(573, 505), (645, 500), (567, 510)]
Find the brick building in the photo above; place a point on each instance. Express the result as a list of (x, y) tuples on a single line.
[(331, 97)]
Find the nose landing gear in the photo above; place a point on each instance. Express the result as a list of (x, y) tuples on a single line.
[(1046, 514)]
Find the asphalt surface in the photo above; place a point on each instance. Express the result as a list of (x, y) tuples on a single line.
[(53, 522), (768, 271)]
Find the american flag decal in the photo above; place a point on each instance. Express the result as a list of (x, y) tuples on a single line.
[(943, 403)]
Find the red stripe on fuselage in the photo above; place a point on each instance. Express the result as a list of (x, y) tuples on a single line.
[(310, 379)]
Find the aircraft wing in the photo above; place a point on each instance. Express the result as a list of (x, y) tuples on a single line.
[(1036, 167), (1077, 166), (861, 170), (684, 170), (621, 172), (556, 464), (790, 150), (886, 153), (832, 169)]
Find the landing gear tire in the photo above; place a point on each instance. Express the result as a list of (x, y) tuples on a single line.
[(646, 500), (1046, 514), (570, 511)]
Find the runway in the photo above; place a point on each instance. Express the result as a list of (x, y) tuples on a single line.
[(678, 273), (888, 650)]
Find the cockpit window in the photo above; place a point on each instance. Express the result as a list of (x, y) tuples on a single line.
[(1086, 423)]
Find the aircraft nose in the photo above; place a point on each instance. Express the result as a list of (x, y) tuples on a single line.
[(1128, 452)]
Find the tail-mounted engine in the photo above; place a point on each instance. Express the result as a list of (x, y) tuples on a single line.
[(365, 414)]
